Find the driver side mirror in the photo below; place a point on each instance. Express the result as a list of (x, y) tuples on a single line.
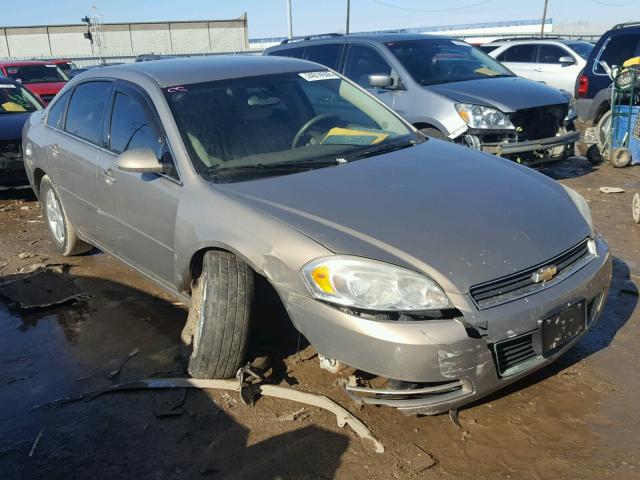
[(139, 160), (380, 81), (566, 60)]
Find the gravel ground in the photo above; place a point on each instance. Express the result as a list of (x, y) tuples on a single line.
[(574, 419)]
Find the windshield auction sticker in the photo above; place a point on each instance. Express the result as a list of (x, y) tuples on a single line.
[(321, 75)]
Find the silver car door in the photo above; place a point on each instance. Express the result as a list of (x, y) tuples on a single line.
[(138, 210), (75, 140), (362, 61)]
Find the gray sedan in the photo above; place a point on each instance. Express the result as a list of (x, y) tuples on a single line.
[(447, 272)]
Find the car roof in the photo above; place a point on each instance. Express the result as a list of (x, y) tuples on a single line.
[(22, 63), (363, 37), (182, 71)]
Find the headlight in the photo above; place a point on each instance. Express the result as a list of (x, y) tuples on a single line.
[(581, 204), (372, 285), (478, 116)]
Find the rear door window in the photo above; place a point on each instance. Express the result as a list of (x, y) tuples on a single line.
[(617, 50), (85, 115), (327, 55), (55, 117), (289, 52), (551, 54), (133, 127), (364, 61), (519, 53)]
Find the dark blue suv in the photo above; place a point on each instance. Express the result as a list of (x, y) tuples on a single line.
[(614, 47)]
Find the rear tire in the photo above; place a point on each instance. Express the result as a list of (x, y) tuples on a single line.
[(217, 329), (61, 230), (593, 155)]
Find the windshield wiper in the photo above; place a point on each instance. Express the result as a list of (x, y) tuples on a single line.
[(380, 149), (295, 165)]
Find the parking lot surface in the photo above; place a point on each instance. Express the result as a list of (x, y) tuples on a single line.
[(574, 419)]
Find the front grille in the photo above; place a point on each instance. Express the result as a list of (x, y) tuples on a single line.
[(521, 284), (539, 122), (10, 150), (46, 98), (513, 352)]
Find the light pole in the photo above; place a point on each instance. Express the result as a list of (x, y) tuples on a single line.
[(348, 15), (544, 18), (289, 19)]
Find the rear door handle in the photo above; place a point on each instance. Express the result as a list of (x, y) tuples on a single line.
[(53, 150), (108, 177), (537, 69)]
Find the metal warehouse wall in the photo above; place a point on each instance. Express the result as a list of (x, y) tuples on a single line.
[(206, 36)]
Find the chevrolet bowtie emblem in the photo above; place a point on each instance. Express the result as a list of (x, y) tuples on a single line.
[(544, 274)]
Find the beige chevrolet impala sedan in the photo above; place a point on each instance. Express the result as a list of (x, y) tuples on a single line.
[(447, 272)]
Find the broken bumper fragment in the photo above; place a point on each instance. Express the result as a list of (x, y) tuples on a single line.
[(538, 145), (441, 364)]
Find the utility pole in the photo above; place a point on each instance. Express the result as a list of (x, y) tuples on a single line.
[(348, 15), (544, 18), (289, 19)]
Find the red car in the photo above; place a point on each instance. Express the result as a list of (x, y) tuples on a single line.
[(42, 78)]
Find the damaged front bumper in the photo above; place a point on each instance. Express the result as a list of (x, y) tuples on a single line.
[(441, 364), (529, 152)]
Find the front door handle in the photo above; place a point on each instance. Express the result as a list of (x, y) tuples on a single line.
[(108, 177), (53, 150)]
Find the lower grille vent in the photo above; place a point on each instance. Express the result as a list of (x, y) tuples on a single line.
[(510, 353)]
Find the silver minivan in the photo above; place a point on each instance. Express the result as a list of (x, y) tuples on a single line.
[(448, 89)]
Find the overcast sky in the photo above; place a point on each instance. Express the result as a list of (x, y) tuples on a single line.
[(268, 17)]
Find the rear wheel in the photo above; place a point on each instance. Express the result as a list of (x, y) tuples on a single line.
[(217, 329), (635, 208), (62, 232)]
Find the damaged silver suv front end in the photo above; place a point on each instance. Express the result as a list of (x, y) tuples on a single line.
[(531, 136)]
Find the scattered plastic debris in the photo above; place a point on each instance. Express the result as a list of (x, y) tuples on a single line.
[(611, 190), (114, 373), (300, 414), (343, 416)]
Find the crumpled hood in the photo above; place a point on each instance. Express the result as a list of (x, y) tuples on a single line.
[(507, 94), (458, 215), (11, 125)]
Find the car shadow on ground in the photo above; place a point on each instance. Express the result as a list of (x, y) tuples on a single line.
[(54, 352), (619, 307), (20, 193), (573, 167)]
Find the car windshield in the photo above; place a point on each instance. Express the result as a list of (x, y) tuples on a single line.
[(36, 73), (581, 48), (14, 99), (432, 61), (282, 121)]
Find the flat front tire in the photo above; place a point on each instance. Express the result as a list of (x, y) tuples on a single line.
[(61, 230), (217, 329)]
